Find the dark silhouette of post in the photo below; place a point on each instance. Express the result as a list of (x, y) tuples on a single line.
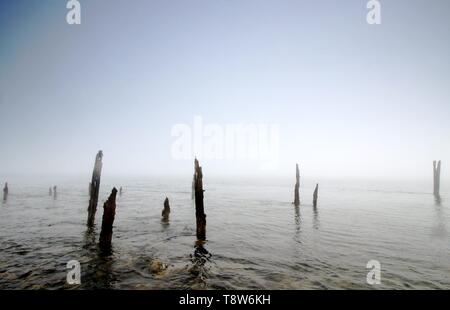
[(95, 188), (120, 191), (199, 207), (109, 213), (193, 187), (54, 192), (5, 192), (297, 187), (315, 195), (166, 210), (50, 192), (436, 177)]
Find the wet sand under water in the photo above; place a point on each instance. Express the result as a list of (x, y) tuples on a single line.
[(256, 238)]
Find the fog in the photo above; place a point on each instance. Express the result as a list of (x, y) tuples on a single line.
[(350, 100)]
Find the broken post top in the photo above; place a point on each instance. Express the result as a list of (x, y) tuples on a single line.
[(109, 213), (316, 191), (98, 164), (113, 193), (99, 155), (166, 210), (438, 163), (196, 165)]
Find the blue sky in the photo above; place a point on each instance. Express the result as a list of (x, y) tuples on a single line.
[(351, 99)]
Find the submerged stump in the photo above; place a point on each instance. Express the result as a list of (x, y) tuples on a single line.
[(436, 178), (199, 206), (94, 189), (297, 186), (5, 192), (109, 213), (166, 210), (316, 195)]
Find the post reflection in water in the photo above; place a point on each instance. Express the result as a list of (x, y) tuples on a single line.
[(440, 229), (316, 218), (298, 220), (100, 260), (199, 261), (437, 199)]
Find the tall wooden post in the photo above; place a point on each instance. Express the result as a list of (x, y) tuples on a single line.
[(199, 207), (94, 189), (315, 195), (436, 177), (297, 186), (5, 192), (109, 213)]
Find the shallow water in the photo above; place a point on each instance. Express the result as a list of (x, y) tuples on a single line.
[(256, 238)]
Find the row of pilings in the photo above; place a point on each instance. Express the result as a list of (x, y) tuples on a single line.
[(297, 189), (109, 207)]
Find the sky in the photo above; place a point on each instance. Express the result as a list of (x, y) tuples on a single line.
[(350, 99)]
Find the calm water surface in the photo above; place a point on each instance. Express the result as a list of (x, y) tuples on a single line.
[(256, 238)]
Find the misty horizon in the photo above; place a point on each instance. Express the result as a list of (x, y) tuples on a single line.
[(351, 100)]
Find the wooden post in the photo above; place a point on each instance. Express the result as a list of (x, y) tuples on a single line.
[(193, 187), (94, 190), (54, 192), (166, 210), (50, 193), (5, 192), (109, 212), (436, 178), (120, 191), (315, 195), (199, 207), (297, 186)]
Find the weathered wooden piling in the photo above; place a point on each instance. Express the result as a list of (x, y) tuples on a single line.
[(193, 187), (166, 210), (50, 192), (109, 213), (120, 191), (297, 186), (436, 177), (315, 195), (54, 192), (5, 192), (95, 188), (199, 206)]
